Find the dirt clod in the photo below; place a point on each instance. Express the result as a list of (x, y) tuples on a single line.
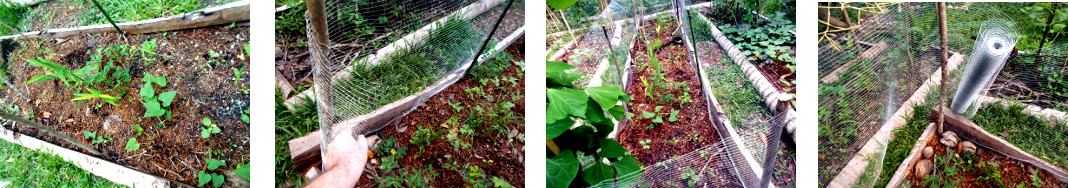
[(949, 139), (922, 168), (928, 152)]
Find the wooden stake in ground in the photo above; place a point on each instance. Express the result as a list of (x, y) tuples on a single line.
[(564, 18), (318, 47), (945, 59)]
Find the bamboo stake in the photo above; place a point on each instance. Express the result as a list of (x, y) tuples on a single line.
[(48, 130), (564, 18), (945, 59)]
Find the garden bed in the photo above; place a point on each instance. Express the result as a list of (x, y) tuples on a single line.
[(587, 54), (471, 133), (745, 109), (662, 140), (768, 43), (207, 67), (983, 168)]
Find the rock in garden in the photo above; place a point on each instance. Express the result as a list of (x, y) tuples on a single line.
[(967, 146), (922, 168), (949, 139), (928, 152), (277, 52)]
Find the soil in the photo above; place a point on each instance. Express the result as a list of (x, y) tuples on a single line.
[(775, 71), (694, 123), (499, 155), (1013, 172), (206, 88)]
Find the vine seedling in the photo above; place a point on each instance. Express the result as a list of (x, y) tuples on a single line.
[(208, 129), (96, 139), (215, 179), (155, 106)]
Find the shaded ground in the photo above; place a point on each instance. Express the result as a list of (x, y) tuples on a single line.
[(199, 64), (428, 141)]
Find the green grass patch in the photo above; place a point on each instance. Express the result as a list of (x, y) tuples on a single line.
[(36, 168), (904, 138), (290, 124), (136, 10), (1032, 134), (740, 99), (10, 14), (409, 70)]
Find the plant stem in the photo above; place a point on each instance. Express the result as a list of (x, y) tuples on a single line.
[(108, 16)]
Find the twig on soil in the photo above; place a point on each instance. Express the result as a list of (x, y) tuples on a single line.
[(709, 161), (165, 170)]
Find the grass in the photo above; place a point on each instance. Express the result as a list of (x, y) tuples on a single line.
[(290, 124), (135, 10), (35, 168), (409, 70), (1031, 134), (901, 145), (10, 14)]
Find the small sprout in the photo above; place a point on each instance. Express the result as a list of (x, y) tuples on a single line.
[(132, 145), (208, 129)]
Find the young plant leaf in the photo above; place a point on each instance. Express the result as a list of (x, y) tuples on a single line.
[(167, 97), (132, 145), (217, 180), (214, 164), (203, 178)]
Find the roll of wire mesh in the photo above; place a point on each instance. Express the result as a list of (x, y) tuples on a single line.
[(993, 45)]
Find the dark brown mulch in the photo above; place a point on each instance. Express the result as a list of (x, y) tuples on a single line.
[(497, 154), (206, 88)]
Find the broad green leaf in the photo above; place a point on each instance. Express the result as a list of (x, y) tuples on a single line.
[(205, 133), (147, 91), (167, 97), (595, 115), (243, 171), (648, 115), (89, 134), (558, 127), (217, 180), (152, 109), (561, 170), (556, 66), (132, 145), (562, 78), (206, 121), (214, 164), (203, 178), (563, 102), (617, 112), (244, 117), (560, 4), (674, 115), (658, 119), (215, 129), (606, 96), (597, 173), (626, 165), (611, 149)]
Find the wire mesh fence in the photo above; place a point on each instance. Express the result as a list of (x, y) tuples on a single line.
[(623, 26), (384, 52), (869, 68)]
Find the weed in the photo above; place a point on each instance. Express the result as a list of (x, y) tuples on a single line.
[(96, 139), (132, 144), (208, 129), (156, 106), (216, 180), (645, 143)]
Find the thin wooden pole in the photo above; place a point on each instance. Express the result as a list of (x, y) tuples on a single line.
[(945, 59), (108, 16), (49, 131), (564, 18), (318, 49)]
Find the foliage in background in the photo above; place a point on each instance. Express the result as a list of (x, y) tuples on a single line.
[(1038, 15), (764, 39), (10, 14), (594, 106)]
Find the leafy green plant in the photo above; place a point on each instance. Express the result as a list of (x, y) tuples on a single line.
[(690, 177), (209, 128), (132, 144), (594, 106), (156, 106), (204, 177), (96, 139), (764, 39), (645, 143), (424, 136)]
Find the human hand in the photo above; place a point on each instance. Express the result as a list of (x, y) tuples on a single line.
[(346, 155)]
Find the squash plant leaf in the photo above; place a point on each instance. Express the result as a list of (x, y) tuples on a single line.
[(564, 102), (561, 170), (167, 97), (132, 145)]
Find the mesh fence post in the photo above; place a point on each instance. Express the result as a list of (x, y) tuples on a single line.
[(318, 49), (944, 59)]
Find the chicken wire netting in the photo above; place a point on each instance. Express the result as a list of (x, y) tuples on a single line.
[(413, 49), (614, 29), (870, 68)]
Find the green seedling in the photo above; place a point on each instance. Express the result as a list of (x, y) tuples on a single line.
[(132, 144), (96, 139), (658, 117), (156, 106), (245, 118), (95, 94), (208, 129), (215, 179), (645, 143)]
